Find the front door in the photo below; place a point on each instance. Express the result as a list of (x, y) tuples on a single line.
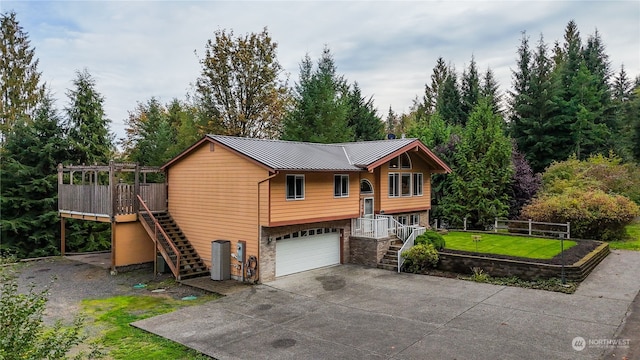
[(368, 208)]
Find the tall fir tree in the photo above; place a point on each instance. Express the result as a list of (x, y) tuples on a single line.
[(391, 122), (490, 89), (438, 77), (29, 221), (150, 135), (20, 87), (470, 89), (362, 117), (321, 104), (88, 126), (449, 104), (520, 96)]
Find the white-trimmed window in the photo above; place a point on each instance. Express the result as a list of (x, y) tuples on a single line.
[(394, 184), (417, 184), (402, 219), (414, 219), (366, 187), (405, 161), (405, 184), (295, 187), (341, 185)]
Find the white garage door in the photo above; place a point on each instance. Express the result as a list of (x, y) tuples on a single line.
[(301, 253)]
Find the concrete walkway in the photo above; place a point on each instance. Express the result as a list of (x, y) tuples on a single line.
[(352, 312)]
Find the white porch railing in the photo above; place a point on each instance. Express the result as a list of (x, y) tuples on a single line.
[(414, 232), (370, 228)]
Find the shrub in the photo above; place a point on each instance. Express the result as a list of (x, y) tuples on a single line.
[(431, 237), (24, 335), (608, 174), (420, 257), (593, 214)]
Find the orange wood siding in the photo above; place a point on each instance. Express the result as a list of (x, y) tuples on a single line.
[(132, 244), (213, 195), (405, 203), (319, 203)]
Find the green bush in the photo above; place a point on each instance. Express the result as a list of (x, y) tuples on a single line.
[(431, 237), (593, 214), (420, 257), (598, 172), (24, 335)]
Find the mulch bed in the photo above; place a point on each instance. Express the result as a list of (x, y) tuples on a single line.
[(571, 255)]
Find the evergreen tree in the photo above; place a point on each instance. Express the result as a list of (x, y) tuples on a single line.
[(20, 88), (239, 87), (438, 77), (622, 96), (29, 221), (589, 135), (482, 177), (470, 93), (520, 97), (321, 104), (491, 91), (449, 104), (537, 136), (391, 121), (183, 120), (88, 126), (362, 117)]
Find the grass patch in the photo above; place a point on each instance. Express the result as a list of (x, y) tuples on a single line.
[(632, 242), (519, 246), (119, 340)]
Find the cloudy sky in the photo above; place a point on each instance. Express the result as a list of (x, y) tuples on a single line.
[(141, 49)]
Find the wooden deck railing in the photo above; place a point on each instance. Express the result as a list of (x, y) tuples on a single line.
[(92, 199), (162, 241)]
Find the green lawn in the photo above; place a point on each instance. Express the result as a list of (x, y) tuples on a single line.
[(633, 243), (119, 340), (520, 246)]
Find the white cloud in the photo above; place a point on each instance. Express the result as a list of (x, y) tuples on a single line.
[(140, 49)]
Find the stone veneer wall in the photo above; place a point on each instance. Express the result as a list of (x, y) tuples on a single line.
[(267, 266), (463, 264), (367, 251)]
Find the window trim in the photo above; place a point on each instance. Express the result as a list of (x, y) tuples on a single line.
[(396, 186), (342, 193), (412, 217), (415, 184), (295, 192)]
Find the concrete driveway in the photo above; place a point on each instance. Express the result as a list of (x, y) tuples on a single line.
[(352, 312)]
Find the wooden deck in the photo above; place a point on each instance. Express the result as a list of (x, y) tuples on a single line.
[(107, 193)]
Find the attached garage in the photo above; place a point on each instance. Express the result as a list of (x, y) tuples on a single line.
[(306, 250)]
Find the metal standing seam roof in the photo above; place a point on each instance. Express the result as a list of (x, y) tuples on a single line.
[(293, 155)]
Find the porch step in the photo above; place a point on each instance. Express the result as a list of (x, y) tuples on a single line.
[(390, 259)]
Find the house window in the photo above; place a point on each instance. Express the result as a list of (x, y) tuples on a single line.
[(402, 219), (295, 187), (366, 187), (405, 161), (415, 219), (394, 163), (341, 185), (394, 184), (406, 184), (417, 184)]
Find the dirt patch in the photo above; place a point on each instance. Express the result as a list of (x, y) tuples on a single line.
[(69, 282), (571, 255)]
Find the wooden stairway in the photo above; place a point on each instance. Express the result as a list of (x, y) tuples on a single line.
[(191, 265), (390, 260)]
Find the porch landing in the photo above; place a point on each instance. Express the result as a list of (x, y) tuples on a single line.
[(223, 287)]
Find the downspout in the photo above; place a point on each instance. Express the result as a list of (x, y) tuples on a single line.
[(259, 226)]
